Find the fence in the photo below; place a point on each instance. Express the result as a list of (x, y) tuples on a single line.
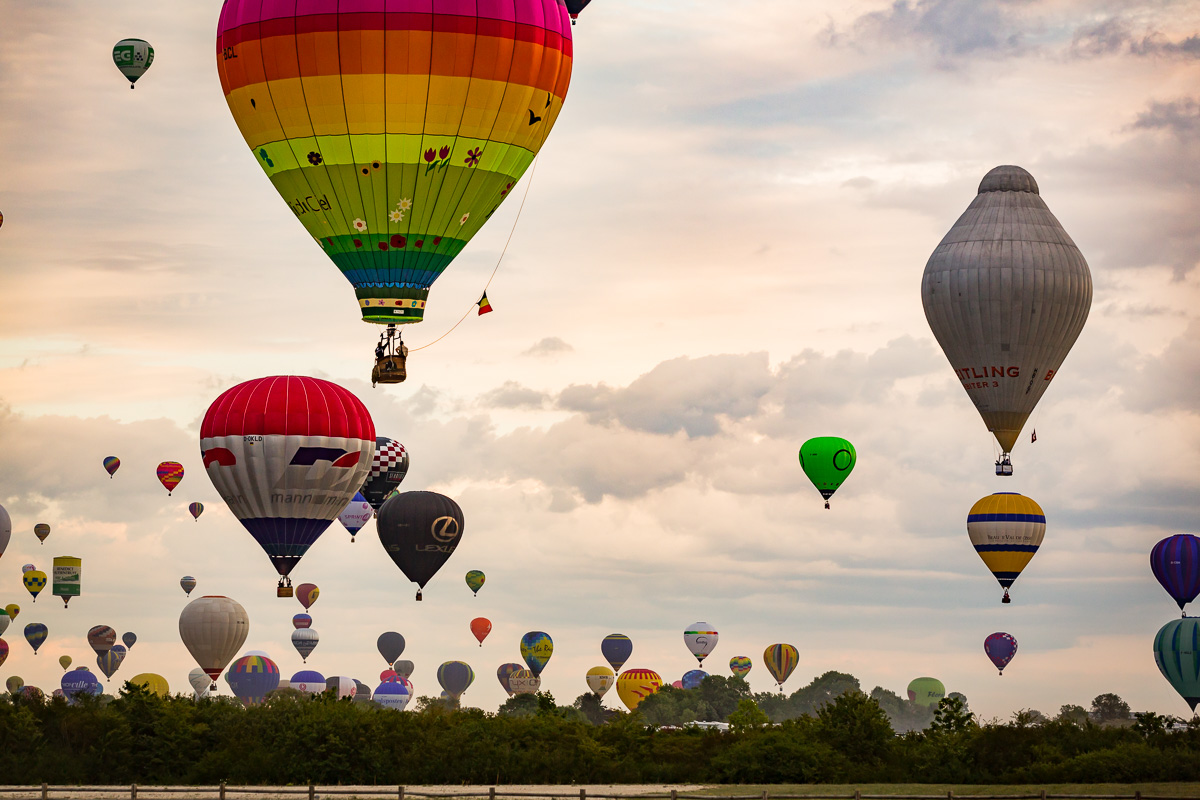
[(312, 792)]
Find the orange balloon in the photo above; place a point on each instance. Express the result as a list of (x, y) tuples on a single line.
[(481, 627)]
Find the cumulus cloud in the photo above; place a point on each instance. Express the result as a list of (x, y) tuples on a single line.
[(1115, 35), (1181, 117), (550, 346)]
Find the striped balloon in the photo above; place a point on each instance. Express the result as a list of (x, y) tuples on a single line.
[(1176, 563), (252, 677), (780, 659), (170, 473), (111, 465), (455, 677), (196, 509), (740, 666), (504, 672), (1000, 648), (1177, 653), (635, 685), (1006, 529), (35, 634)]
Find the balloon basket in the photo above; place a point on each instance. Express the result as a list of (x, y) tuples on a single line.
[(283, 591)]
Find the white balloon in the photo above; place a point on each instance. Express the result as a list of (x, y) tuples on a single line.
[(213, 629), (701, 639)]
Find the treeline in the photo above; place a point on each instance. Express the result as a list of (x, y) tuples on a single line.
[(293, 738)]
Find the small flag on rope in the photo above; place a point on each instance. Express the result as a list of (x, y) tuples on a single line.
[(1032, 438), (484, 306)]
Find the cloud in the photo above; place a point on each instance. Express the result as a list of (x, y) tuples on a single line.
[(1181, 117), (1115, 36), (514, 395), (550, 346), (1170, 381)]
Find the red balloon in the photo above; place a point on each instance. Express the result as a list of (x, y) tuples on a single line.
[(481, 627)]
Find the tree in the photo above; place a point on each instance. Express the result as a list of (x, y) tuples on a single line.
[(589, 705), (748, 716), (1109, 707), (1076, 715), (952, 716), (1027, 717), (856, 726)]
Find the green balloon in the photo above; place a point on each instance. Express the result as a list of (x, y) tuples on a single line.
[(827, 461), (926, 692), (475, 580), (1177, 653)]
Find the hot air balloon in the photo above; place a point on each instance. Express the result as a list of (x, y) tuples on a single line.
[(213, 628), (780, 659), (827, 461), (14, 684), (5, 620), (388, 468), (199, 681), (420, 530), (574, 7), (1000, 648), (35, 581), (64, 662), (133, 57), (740, 666), (362, 693), (1177, 654), (700, 638), (307, 594), (1006, 293), (196, 509), (5, 529), (77, 683), (305, 641), (170, 473), (1175, 562), (1006, 529), (12, 609), (927, 692), (393, 185), (393, 695), (536, 649), (187, 583), (308, 681), (390, 645), (480, 628), (111, 465), (504, 672), (693, 678), (523, 681), (252, 678), (404, 668), (35, 634), (475, 581), (68, 575), (358, 512), (152, 682), (3, 651), (301, 621), (388, 675), (310, 441), (455, 677), (635, 685), (41, 531), (341, 686), (27, 568), (600, 680), (110, 660), (33, 694), (616, 649), (129, 638), (101, 638)]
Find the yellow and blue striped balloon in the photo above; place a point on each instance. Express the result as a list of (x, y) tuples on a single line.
[(1006, 529)]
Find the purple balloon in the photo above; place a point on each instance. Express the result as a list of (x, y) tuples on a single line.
[(1176, 563), (1000, 648)]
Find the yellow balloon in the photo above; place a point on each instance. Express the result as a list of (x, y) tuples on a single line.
[(12, 609), (64, 662), (35, 581), (600, 680), (1006, 529), (635, 685), (156, 684)]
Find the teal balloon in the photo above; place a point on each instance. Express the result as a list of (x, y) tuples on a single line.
[(1177, 653)]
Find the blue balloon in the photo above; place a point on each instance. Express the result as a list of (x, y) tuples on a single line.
[(252, 677), (1176, 563), (693, 677), (1000, 647), (306, 680), (455, 677), (35, 634), (78, 682), (616, 649), (392, 695)]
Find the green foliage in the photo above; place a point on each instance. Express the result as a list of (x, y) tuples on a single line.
[(747, 717), (952, 716), (1109, 708)]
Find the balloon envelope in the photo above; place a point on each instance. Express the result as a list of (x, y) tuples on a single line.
[(926, 692), (41, 531), (404, 668), (111, 465), (1000, 648), (170, 473), (475, 580), (740, 666), (305, 640), (1175, 562), (827, 461), (523, 681), (358, 512), (35, 581), (455, 677), (199, 681), (600, 680), (196, 509), (252, 677), (309, 440), (35, 634), (392, 695), (77, 682), (109, 661), (5, 621), (307, 594), (390, 645), (12, 609), (700, 638), (480, 628), (1006, 293), (133, 57), (308, 681), (64, 661), (101, 638), (536, 649), (3, 651), (420, 530), (14, 684), (187, 583), (1006, 529), (5, 530), (693, 678), (213, 628), (152, 682), (635, 685), (504, 672), (1177, 654), (301, 621), (393, 178), (780, 659), (388, 468), (129, 638), (616, 649), (342, 686)]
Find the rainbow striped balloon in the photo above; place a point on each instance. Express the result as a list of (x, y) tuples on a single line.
[(780, 659), (170, 473), (393, 129), (740, 666)]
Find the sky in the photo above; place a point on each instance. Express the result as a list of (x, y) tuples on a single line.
[(719, 257)]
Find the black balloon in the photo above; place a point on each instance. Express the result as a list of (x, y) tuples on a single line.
[(391, 646), (420, 530)]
